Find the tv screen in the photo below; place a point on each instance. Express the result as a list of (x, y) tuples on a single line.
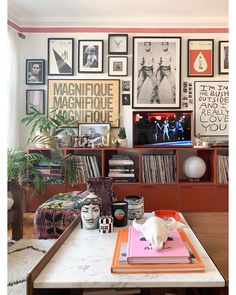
[(162, 128)]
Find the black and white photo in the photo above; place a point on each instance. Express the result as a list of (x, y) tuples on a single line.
[(90, 56), (97, 134), (117, 44), (35, 72), (223, 57), (156, 72), (126, 99), (125, 85), (35, 98), (117, 66)]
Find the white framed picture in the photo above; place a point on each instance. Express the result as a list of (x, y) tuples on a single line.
[(117, 66)]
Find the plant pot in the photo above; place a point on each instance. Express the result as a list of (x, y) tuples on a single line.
[(122, 142)]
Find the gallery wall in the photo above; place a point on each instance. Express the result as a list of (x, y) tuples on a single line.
[(35, 46)]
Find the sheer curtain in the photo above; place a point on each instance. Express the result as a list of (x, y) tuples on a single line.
[(13, 101)]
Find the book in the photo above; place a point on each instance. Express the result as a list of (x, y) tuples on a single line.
[(139, 250), (120, 264)]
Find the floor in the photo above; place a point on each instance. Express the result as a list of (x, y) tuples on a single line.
[(28, 226)]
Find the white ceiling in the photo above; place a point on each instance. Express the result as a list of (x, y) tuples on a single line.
[(121, 13)]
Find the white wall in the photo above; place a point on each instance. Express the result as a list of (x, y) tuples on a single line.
[(35, 46)]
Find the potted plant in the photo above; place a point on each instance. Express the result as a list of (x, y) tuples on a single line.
[(122, 137)]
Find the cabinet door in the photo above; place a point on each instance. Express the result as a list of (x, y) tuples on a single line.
[(160, 197), (77, 187), (122, 190), (197, 198), (222, 198), (33, 202)]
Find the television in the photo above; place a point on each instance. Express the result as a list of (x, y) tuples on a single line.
[(162, 128)]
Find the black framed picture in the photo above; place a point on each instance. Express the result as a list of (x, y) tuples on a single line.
[(35, 72), (125, 99), (61, 56), (118, 44), (117, 66), (90, 56), (223, 57), (156, 72), (125, 85), (35, 98)]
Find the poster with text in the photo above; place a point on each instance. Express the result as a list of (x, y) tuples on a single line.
[(211, 108), (86, 101)]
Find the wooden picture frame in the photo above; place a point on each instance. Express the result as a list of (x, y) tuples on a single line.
[(90, 56), (118, 44), (61, 56), (117, 66), (35, 72), (156, 72), (98, 134), (35, 97), (200, 58), (223, 57)]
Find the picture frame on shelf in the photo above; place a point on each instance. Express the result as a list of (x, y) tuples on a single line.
[(90, 56), (223, 57), (125, 99), (118, 44), (97, 134), (35, 72), (68, 136), (200, 54), (35, 97), (61, 56), (117, 66), (156, 72)]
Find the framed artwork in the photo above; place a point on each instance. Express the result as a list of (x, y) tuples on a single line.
[(61, 56), (223, 57), (125, 85), (35, 72), (68, 136), (90, 56), (200, 58), (156, 72), (117, 44), (117, 66), (86, 100), (35, 98), (96, 134), (211, 113), (125, 99)]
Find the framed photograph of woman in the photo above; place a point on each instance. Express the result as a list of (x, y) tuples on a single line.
[(61, 56), (200, 58), (223, 57), (117, 44), (90, 56), (96, 134), (35, 72), (35, 98), (156, 72)]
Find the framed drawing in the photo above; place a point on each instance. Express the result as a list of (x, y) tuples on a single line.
[(200, 58), (35, 72), (61, 56), (96, 134), (90, 56), (223, 57), (156, 72), (117, 66), (35, 98), (117, 44), (211, 108)]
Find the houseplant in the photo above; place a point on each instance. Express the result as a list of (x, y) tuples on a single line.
[(122, 137)]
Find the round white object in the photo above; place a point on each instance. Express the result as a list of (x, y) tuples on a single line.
[(194, 167)]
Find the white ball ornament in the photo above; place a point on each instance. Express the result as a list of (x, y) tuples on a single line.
[(194, 167)]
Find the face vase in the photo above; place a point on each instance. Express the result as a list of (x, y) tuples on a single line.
[(90, 212)]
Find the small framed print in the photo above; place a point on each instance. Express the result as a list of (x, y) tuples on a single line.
[(35, 98), (90, 56), (35, 72), (117, 66), (96, 134), (61, 56), (125, 99), (223, 57), (125, 85), (117, 44), (200, 58)]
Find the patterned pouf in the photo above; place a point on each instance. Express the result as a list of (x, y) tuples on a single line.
[(57, 213)]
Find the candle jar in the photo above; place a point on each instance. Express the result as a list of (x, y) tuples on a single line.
[(135, 207)]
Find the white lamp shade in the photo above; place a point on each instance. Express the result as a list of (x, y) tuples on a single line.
[(194, 167)]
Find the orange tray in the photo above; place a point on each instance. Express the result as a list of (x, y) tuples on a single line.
[(168, 213)]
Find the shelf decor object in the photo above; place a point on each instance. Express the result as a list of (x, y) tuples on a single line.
[(194, 168)]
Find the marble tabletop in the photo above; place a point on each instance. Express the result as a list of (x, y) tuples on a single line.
[(84, 261)]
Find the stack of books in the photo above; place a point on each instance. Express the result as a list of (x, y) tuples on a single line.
[(49, 168), (121, 168), (133, 254)]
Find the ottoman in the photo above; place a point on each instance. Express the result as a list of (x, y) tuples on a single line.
[(57, 213)]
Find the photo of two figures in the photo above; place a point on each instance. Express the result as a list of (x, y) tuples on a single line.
[(156, 72)]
